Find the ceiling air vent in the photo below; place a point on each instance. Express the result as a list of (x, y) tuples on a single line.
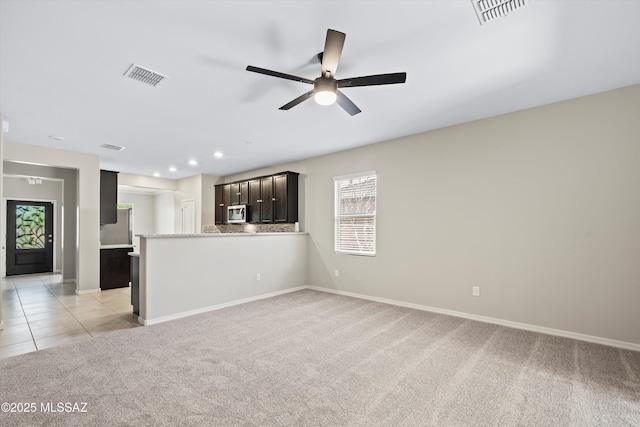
[(112, 147), (488, 10), (144, 75)]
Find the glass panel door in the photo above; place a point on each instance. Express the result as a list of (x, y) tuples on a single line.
[(30, 232), (29, 237)]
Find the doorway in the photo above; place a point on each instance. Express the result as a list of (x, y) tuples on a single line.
[(29, 237)]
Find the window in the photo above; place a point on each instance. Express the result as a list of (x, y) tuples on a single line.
[(355, 214)]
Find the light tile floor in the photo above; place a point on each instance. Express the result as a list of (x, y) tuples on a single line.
[(39, 311)]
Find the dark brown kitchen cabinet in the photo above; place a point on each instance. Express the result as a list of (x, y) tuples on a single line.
[(115, 268), (282, 209), (239, 193), (222, 200), (220, 207), (254, 201), (226, 195), (108, 197), (277, 201), (266, 196), (270, 199)]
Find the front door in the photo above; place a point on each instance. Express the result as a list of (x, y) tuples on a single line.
[(29, 237)]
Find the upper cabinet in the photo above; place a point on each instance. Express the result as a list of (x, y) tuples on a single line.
[(255, 215), (265, 203), (221, 207), (285, 192), (239, 193), (270, 199), (108, 197)]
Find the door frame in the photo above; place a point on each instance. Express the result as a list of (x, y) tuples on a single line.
[(3, 228)]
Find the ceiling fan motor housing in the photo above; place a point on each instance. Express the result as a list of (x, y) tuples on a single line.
[(325, 84)]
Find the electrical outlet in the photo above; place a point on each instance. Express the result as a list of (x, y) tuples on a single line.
[(337, 273), (258, 277), (476, 291)]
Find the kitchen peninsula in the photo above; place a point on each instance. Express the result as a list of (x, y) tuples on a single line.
[(186, 274)]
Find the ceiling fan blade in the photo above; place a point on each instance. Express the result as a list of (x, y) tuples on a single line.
[(346, 104), (332, 51), (298, 100), (278, 74), (378, 79)]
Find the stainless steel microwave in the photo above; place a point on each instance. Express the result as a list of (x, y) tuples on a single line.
[(237, 213)]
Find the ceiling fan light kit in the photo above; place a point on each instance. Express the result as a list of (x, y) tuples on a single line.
[(325, 97), (325, 91), (325, 88)]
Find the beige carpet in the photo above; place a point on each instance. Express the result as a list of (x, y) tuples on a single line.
[(315, 359)]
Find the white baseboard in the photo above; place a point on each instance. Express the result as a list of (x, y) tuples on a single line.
[(485, 319), (524, 326), (69, 281), (88, 291), (162, 319)]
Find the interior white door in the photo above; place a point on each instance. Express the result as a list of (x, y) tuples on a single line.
[(188, 216)]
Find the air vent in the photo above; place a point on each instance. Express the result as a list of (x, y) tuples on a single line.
[(112, 147), (144, 75), (488, 10)]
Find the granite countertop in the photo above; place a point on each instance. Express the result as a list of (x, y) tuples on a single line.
[(121, 246), (249, 234)]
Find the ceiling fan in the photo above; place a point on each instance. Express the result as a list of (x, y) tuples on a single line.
[(325, 88)]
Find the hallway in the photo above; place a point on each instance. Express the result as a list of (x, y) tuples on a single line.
[(39, 311)]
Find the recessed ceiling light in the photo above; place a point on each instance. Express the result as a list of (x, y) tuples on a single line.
[(156, 174), (218, 154), (57, 138), (172, 169), (193, 162)]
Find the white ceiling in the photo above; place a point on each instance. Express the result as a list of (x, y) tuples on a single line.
[(62, 65)]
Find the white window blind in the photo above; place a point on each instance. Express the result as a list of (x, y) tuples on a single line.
[(355, 214)]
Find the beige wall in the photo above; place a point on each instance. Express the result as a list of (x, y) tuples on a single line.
[(539, 208), (164, 213), (208, 210), (194, 274)]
